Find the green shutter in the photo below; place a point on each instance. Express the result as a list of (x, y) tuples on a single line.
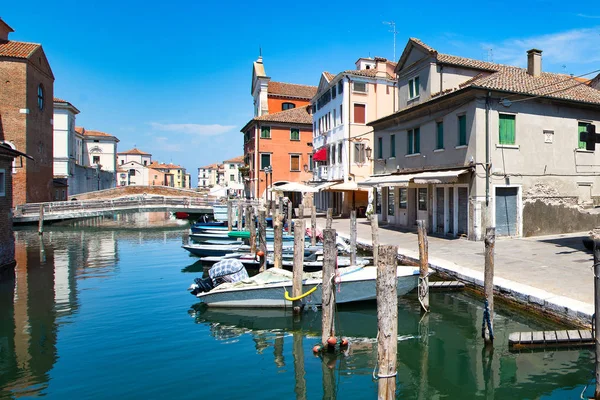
[(393, 146), (417, 140), (462, 130), (410, 142), (380, 148), (265, 132), (411, 91), (582, 127), (440, 135), (507, 129), (294, 134), (417, 87)]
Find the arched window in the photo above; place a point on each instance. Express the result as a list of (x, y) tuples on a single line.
[(41, 97), (288, 106)]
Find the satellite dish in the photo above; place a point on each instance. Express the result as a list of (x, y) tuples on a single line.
[(506, 102)]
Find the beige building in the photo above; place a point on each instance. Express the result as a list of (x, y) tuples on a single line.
[(476, 145), (341, 109), (207, 176)]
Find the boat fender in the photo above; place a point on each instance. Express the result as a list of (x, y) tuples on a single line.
[(344, 342), (332, 341), (260, 253), (317, 348)]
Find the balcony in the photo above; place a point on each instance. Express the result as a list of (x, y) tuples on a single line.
[(320, 173), (319, 141)]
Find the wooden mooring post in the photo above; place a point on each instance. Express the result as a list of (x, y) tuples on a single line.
[(262, 238), (252, 230), (299, 371), (41, 220), (313, 226), (375, 237), (298, 264), (387, 322), (423, 266), (328, 288), (300, 211), (353, 237), (289, 217), (487, 327), (278, 240), (229, 215), (240, 216), (329, 220), (596, 238), (247, 225), (280, 209)]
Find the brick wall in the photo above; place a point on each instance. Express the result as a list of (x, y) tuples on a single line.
[(7, 240)]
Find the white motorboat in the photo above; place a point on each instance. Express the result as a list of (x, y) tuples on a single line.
[(267, 289)]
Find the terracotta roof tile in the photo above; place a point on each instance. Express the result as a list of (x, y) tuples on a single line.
[(238, 159), (328, 75), (298, 115), (17, 49), (156, 164), (57, 100), (291, 90), (135, 151), (370, 73), (211, 166)]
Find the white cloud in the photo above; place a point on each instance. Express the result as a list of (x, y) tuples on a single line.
[(193, 129), (575, 49), (167, 144), (588, 16)]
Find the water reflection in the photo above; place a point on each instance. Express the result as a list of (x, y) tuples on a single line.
[(439, 355)]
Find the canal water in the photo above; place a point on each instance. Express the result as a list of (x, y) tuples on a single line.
[(104, 314)]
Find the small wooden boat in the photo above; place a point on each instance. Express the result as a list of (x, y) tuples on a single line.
[(267, 289), (218, 250)]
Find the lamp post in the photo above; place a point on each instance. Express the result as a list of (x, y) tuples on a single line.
[(98, 174), (368, 152)]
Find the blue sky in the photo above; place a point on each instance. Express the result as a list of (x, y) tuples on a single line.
[(174, 77)]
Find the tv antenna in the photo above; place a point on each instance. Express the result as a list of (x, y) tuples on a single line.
[(392, 25)]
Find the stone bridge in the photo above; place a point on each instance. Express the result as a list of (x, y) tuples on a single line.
[(63, 210), (137, 190)]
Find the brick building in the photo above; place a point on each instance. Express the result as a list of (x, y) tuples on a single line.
[(26, 108), (7, 241)]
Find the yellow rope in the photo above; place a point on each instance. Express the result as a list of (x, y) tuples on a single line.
[(288, 298)]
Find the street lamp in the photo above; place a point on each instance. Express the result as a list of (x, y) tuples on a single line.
[(369, 152), (305, 167)]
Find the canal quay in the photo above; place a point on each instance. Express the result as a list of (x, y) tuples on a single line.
[(97, 312)]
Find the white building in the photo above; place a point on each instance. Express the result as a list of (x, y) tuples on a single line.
[(84, 160), (207, 176)]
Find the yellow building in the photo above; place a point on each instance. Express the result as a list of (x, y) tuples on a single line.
[(175, 175)]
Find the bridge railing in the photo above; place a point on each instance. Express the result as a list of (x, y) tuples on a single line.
[(118, 203)]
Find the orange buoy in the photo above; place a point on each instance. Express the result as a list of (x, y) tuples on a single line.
[(260, 253), (344, 342), (332, 341), (316, 349)]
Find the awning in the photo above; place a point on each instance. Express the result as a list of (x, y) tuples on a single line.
[(295, 187), (325, 185), (386, 180), (346, 186), (436, 177), (320, 155)]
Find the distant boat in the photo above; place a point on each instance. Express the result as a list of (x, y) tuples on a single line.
[(266, 289)]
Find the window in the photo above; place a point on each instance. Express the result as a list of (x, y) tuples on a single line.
[(334, 117), (422, 195), (359, 113), (462, 130), (379, 148), (310, 162), (294, 134), (287, 106), (40, 96), (507, 129), (340, 87), (414, 141), (341, 116), (122, 162), (333, 92), (359, 87), (582, 127), (414, 88), (231, 177), (145, 162), (132, 172), (231, 166), (359, 153), (340, 152), (2, 183), (439, 141), (333, 154), (265, 160), (392, 147), (265, 132), (295, 162), (403, 201), (391, 205), (96, 160)]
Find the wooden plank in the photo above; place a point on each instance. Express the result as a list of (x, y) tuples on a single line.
[(586, 335), (550, 336), (537, 337), (514, 338), (561, 336), (446, 285), (574, 335)]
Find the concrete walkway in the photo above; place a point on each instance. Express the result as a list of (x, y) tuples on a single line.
[(551, 273)]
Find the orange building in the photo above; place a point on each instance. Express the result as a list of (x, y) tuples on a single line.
[(278, 140)]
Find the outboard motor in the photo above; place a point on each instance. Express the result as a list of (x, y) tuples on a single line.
[(229, 270), (201, 285)]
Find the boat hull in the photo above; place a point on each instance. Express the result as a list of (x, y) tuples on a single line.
[(353, 289)]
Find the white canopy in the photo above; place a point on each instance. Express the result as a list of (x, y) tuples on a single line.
[(295, 187), (387, 180), (434, 177), (438, 176)]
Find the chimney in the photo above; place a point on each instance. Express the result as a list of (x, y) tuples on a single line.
[(5, 30), (534, 62), (381, 66)]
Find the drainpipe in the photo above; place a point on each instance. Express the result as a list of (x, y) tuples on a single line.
[(487, 153)]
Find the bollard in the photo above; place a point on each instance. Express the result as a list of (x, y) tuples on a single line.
[(328, 291), (262, 238), (375, 237), (488, 286), (298, 264), (278, 241), (423, 266), (387, 322), (329, 221), (229, 215)]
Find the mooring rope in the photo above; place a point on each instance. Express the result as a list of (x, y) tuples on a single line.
[(423, 291), (487, 321)]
